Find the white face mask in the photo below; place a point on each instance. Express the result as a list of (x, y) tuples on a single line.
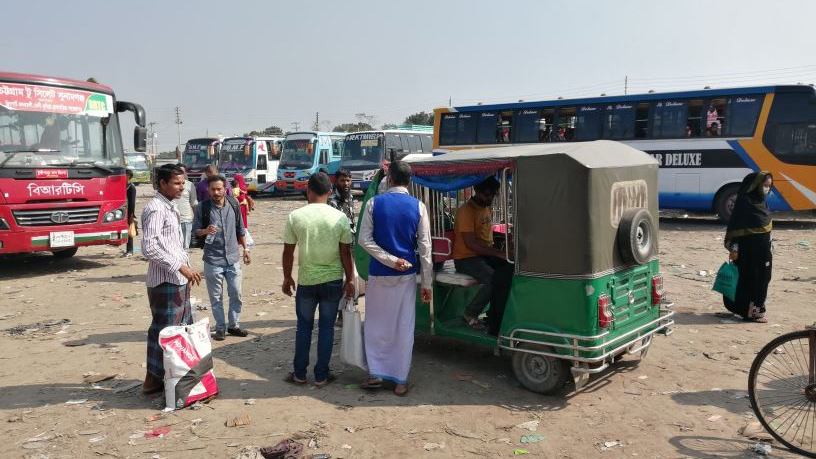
[(766, 190)]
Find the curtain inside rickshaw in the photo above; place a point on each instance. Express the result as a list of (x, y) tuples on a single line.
[(451, 177)]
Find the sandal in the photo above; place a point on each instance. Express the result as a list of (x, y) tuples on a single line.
[(407, 389), (330, 378), (291, 379), (369, 385), (474, 323)]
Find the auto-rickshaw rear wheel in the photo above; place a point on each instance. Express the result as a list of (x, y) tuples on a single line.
[(540, 373)]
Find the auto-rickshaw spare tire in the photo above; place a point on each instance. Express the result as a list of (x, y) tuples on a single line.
[(540, 373), (637, 239)]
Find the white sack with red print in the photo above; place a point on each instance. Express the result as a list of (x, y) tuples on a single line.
[(188, 364)]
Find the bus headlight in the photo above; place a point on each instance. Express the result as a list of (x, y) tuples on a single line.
[(115, 215), (248, 180)]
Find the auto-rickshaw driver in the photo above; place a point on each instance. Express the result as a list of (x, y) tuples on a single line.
[(474, 254)]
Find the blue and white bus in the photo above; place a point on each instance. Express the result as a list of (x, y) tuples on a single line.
[(303, 154), (705, 141)]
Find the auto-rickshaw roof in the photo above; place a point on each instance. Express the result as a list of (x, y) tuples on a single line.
[(595, 154)]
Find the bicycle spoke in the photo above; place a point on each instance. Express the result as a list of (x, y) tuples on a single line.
[(779, 379), (790, 407), (795, 419), (791, 412)]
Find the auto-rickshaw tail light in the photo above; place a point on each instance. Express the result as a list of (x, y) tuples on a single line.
[(657, 290), (604, 311)]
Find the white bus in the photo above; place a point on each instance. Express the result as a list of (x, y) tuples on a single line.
[(364, 153), (256, 158)]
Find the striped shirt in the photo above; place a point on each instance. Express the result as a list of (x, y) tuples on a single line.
[(162, 242)]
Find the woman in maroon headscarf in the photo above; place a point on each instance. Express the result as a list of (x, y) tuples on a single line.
[(242, 195)]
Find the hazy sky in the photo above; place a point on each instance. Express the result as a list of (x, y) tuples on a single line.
[(235, 66)]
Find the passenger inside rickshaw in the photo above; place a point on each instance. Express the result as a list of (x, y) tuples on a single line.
[(475, 253)]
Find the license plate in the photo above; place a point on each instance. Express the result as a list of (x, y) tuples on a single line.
[(355, 185), (62, 239)]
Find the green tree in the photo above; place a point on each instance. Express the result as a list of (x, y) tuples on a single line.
[(422, 118), (388, 126), (271, 131), (353, 127)]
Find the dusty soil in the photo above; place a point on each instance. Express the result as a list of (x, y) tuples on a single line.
[(465, 402)]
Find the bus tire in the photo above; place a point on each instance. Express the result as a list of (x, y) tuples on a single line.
[(636, 236), (539, 373), (724, 204), (67, 253)]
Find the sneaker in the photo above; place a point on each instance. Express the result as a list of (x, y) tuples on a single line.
[(129, 255), (219, 335), (237, 332)]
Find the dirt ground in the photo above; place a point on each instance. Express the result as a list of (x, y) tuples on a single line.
[(686, 399)]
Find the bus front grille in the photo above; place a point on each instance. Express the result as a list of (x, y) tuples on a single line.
[(56, 217)]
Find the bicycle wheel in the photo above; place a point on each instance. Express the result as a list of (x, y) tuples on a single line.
[(782, 389)]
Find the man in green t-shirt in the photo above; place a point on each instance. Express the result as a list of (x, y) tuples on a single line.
[(323, 237)]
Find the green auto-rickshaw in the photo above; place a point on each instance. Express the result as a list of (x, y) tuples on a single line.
[(579, 223), (142, 167)]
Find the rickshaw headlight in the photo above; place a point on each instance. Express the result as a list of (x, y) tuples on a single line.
[(604, 311), (657, 290)]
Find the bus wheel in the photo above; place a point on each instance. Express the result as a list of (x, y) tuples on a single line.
[(636, 236), (539, 373), (67, 253), (724, 204)]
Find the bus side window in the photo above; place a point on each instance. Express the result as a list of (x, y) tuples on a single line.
[(527, 125), (619, 121), (669, 119), (642, 120), (504, 126), (392, 143), (466, 128), (715, 118), (743, 112), (566, 124), (487, 123), (587, 123), (416, 146), (546, 125), (262, 166), (427, 143), (447, 130), (324, 156), (694, 122)]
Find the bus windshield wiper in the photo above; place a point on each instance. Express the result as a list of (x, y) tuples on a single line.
[(13, 153)]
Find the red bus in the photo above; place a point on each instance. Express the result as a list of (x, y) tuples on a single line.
[(62, 167)]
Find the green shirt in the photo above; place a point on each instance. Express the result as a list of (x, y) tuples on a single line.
[(318, 229)]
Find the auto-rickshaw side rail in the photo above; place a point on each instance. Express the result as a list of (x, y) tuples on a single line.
[(660, 323)]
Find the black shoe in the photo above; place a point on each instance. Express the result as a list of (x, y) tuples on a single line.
[(219, 335), (237, 332)]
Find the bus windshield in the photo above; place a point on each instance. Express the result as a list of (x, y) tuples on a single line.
[(363, 150), (137, 162), (234, 157), (196, 155), (297, 154), (34, 139)]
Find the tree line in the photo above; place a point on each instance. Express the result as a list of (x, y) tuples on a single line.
[(364, 123)]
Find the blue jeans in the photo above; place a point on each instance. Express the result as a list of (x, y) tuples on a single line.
[(308, 297), (186, 231), (215, 277)]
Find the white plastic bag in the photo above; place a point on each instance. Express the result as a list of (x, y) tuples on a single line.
[(352, 347), (188, 375), (250, 243)]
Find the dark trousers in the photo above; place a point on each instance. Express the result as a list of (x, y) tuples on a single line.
[(496, 276), (325, 298)]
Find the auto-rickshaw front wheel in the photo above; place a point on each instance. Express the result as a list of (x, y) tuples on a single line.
[(540, 373)]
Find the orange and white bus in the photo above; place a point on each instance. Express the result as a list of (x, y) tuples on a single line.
[(705, 141)]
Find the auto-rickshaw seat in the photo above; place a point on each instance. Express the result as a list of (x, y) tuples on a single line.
[(448, 275)]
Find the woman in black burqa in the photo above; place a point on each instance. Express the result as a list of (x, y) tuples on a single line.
[(748, 238)]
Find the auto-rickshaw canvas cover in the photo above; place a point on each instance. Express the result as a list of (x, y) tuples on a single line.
[(567, 200)]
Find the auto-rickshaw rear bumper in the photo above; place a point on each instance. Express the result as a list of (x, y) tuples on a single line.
[(632, 341)]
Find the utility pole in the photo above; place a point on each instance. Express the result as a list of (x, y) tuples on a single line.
[(625, 84), (152, 134), (317, 121), (178, 124), (295, 126), (450, 102)]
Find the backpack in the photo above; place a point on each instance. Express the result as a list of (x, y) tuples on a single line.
[(206, 207)]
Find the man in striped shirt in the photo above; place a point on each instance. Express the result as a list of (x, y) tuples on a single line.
[(168, 274)]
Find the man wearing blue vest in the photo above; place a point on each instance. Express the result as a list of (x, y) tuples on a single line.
[(395, 226)]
